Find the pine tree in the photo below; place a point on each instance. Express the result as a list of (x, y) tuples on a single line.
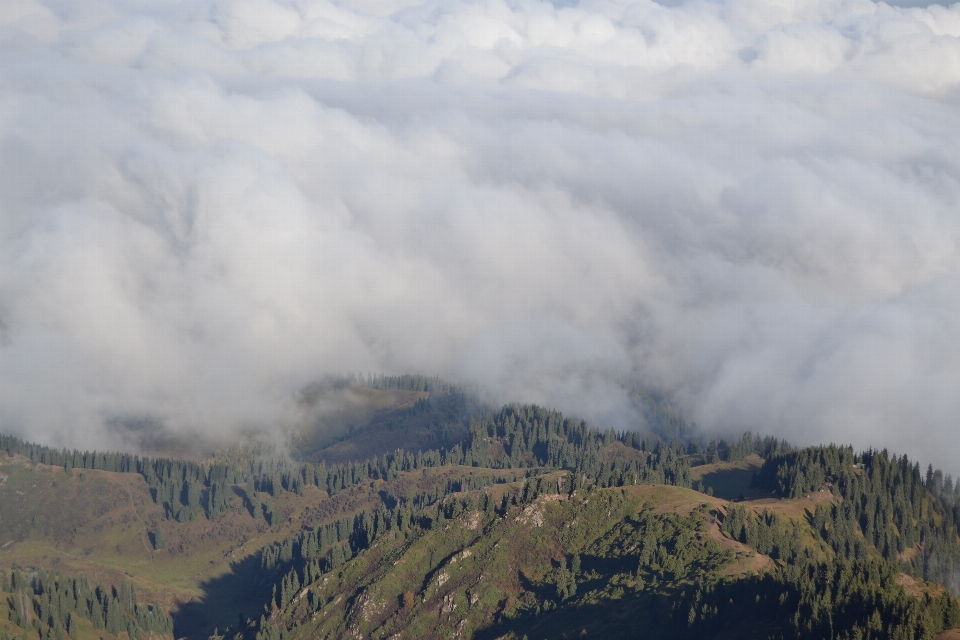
[(253, 498), (158, 541)]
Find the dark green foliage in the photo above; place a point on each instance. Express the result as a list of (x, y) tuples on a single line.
[(887, 504), (530, 436), (807, 598), (157, 539), (50, 603), (766, 533), (253, 499), (794, 473), (118, 462), (219, 498)]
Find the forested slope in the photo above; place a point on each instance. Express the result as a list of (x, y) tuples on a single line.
[(525, 522)]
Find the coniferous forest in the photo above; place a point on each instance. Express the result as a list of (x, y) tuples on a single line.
[(494, 523)]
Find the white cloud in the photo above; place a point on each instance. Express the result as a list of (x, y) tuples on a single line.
[(750, 205)]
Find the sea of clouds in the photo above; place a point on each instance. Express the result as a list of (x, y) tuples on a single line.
[(752, 206)]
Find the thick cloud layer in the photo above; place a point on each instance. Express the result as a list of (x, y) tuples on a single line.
[(750, 205)]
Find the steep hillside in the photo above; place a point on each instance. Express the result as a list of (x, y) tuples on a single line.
[(511, 561), (538, 566)]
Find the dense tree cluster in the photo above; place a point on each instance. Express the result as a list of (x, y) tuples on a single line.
[(118, 462), (531, 436), (813, 598), (51, 605), (793, 473), (766, 532), (430, 384), (887, 503)]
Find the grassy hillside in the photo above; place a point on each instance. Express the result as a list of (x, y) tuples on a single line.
[(486, 562), (604, 562), (529, 524), (208, 574), (102, 523), (534, 568)]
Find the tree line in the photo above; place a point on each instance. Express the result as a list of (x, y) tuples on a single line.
[(517, 436)]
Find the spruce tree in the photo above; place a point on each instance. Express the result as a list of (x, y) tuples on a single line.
[(158, 541)]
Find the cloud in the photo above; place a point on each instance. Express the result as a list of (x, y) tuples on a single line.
[(749, 206)]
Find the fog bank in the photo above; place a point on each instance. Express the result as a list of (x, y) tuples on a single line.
[(749, 206)]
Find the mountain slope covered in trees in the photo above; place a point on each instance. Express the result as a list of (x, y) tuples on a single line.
[(491, 523)]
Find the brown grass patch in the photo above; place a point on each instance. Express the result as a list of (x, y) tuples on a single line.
[(668, 498), (911, 586), (792, 507)]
